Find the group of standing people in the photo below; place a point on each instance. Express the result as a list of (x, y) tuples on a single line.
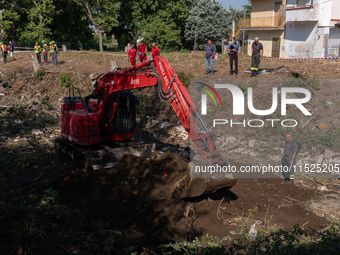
[(5, 49), (233, 47), (52, 48), (141, 51)]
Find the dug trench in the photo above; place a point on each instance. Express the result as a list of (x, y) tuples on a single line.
[(133, 200)]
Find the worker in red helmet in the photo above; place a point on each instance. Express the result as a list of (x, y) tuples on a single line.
[(142, 50), (132, 55)]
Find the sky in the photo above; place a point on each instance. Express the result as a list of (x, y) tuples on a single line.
[(237, 4)]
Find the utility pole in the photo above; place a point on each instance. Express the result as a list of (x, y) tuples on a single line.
[(195, 39), (233, 26), (1, 29), (244, 26)]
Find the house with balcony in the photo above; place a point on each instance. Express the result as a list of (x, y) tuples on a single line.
[(293, 28), (267, 21), (312, 28)]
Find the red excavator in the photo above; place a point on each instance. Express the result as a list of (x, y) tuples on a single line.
[(98, 130)]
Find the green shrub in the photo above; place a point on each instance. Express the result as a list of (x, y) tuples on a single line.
[(185, 78), (39, 74), (65, 79)]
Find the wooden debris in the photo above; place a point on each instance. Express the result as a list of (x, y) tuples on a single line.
[(321, 125)]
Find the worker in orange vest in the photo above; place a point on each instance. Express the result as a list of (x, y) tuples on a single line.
[(37, 50)]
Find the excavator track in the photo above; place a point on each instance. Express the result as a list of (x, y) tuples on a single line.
[(104, 155)]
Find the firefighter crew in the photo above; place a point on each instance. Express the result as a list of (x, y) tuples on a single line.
[(132, 55), (55, 48), (52, 52), (37, 50), (155, 51), (4, 52), (233, 55), (142, 50), (256, 56), (45, 51)]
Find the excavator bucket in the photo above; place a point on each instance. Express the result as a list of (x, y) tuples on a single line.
[(195, 186)]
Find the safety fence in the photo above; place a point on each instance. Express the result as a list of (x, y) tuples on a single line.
[(75, 46), (80, 51), (292, 58)]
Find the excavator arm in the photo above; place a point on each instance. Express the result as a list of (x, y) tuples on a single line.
[(170, 89)]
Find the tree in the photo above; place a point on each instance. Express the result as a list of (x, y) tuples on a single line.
[(8, 23), (212, 20), (159, 21), (70, 23), (14, 17), (102, 14), (40, 16), (248, 8)]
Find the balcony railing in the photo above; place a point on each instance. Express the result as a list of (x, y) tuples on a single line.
[(268, 22), (260, 23)]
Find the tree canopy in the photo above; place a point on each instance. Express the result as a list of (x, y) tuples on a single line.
[(213, 23), (170, 24)]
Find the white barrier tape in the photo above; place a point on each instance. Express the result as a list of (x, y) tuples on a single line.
[(293, 58), (61, 50)]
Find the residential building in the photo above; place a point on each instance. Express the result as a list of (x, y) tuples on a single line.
[(312, 28), (267, 22), (293, 28)]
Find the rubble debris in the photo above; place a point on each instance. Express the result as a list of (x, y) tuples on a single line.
[(151, 123), (329, 102), (323, 188), (180, 132), (164, 125), (113, 66), (164, 149), (92, 76), (252, 232), (267, 70)]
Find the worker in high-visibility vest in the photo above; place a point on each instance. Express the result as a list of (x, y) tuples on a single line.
[(55, 47), (52, 52), (45, 51), (4, 52), (37, 50)]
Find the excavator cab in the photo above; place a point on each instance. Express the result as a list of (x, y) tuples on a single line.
[(125, 120)]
